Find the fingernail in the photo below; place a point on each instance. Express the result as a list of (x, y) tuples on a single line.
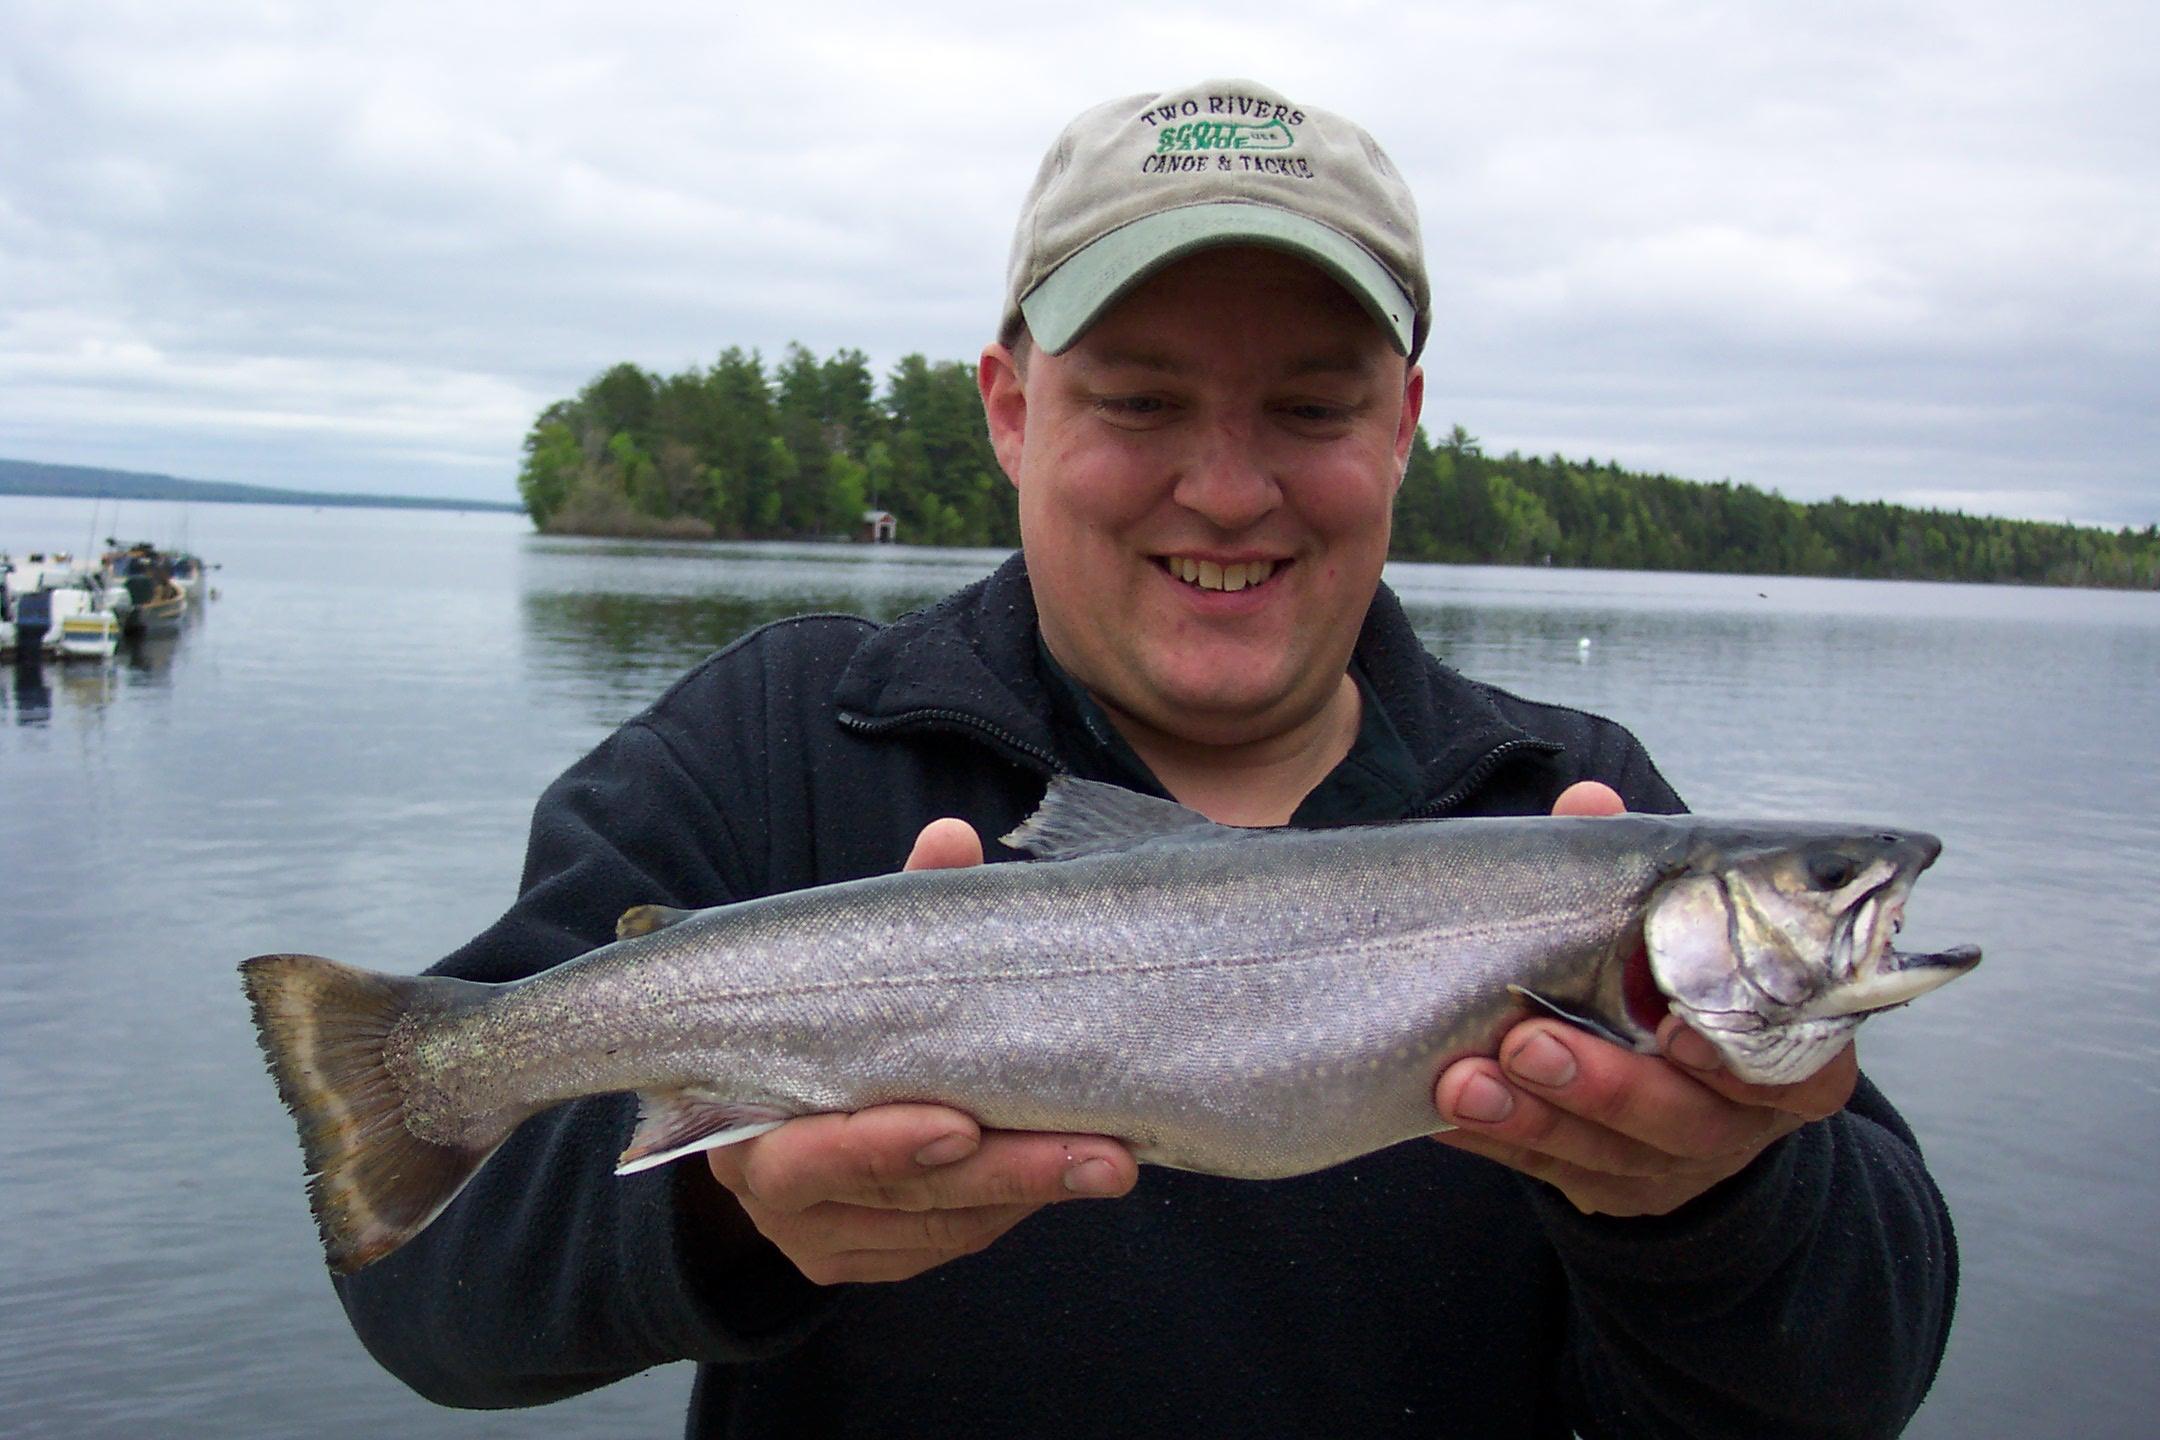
[(1691, 1050), (1092, 1177), (1543, 1060), (945, 1150), (1484, 1099)]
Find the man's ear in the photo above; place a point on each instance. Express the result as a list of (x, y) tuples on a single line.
[(1406, 428), (1004, 399)]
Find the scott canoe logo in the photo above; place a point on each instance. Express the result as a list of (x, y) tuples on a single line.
[(1224, 135)]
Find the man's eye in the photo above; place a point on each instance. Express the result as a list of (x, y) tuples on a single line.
[(1130, 406), (1315, 412)]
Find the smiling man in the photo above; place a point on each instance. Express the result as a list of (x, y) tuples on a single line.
[(1205, 388), (1205, 478)]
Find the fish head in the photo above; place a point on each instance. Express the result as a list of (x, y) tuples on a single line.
[(1775, 943)]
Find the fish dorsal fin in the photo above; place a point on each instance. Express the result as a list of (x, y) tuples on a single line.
[(1087, 817), (644, 919)]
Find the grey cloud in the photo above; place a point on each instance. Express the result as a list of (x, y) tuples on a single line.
[(1906, 250)]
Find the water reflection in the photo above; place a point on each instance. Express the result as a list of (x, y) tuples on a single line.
[(637, 614), (349, 760), (33, 697), (626, 632)]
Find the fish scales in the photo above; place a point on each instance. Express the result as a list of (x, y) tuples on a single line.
[(1248, 1003), (1291, 1011)]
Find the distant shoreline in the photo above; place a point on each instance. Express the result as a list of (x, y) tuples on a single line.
[(85, 482)]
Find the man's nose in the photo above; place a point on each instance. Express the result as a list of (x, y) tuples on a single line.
[(1227, 479)]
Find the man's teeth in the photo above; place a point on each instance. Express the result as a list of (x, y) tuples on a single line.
[(1210, 576)]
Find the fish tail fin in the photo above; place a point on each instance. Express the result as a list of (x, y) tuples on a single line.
[(373, 1183)]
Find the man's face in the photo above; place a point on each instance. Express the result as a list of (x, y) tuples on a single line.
[(1205, 482)]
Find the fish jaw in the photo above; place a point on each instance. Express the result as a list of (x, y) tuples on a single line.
[(1897, 979)]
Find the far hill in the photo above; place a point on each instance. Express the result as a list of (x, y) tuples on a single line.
[(30, 477)]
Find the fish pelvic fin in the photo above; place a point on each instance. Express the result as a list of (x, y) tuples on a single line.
[(675, 1123), (373, 1184), (1087, 817)]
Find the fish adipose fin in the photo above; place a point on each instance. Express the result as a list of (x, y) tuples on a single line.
[(373, 1183), (675, 1123), (644, 919), (1087, 817)]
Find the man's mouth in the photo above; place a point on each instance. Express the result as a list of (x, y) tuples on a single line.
[(1213, 575)]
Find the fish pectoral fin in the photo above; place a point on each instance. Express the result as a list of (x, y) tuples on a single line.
[(1086, 817), (644, 919), (1581, 1022), (675, 1123)]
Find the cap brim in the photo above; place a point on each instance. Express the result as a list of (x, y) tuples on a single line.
[(1075, 295)]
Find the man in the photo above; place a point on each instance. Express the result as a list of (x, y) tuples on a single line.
[(1205, 391)]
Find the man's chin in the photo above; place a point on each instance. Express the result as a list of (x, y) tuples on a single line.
[(1225, 713)]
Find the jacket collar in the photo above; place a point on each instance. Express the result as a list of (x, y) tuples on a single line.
[(967, 665)]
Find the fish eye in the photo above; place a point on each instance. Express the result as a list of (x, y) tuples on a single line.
[(1828, 870)]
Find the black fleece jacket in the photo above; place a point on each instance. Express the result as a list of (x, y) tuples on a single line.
[(1419, 1291)]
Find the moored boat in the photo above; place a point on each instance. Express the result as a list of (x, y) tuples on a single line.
[(57, 607), (191, 575), (157, 592), (84, 629)]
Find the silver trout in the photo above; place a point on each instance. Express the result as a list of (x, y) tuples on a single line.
[(1243, 1002)]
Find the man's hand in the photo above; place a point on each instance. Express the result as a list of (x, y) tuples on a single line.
[(1616, 1132), (889, 1192)]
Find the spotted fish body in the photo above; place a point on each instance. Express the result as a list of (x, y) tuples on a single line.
[(1246, 1003)]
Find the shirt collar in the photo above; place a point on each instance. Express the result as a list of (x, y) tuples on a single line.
[(1378, 780)]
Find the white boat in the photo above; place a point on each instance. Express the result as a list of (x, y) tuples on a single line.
[(84, 626), (71, 610)]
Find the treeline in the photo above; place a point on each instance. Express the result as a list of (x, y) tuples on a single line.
[(1463, 506), (742, 452), (802, 449)]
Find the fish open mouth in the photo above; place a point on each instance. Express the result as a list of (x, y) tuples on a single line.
[(1893, 978), (1900, 977)]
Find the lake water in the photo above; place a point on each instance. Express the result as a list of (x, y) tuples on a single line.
[(341, 755)]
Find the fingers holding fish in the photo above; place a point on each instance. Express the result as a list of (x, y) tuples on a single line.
[(1616, 1132), (1642, 1097), (879, 1156), (894, 1190), (1588, 797), (917, 1157), (1818, 1097), (1534, 1135), (946, 844)]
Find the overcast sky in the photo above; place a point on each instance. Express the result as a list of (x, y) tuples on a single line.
[(1897, 250)]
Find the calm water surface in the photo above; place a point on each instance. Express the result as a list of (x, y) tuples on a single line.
[(341, 756)]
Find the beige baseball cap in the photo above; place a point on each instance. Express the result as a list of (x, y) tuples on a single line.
[(1132, 185)]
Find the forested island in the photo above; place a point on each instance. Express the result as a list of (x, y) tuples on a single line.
[(805, 447)]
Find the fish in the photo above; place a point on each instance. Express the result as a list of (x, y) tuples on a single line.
[(1244, 1002)]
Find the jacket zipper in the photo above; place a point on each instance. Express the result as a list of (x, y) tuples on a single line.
[(999, 737), (1479, 774)]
